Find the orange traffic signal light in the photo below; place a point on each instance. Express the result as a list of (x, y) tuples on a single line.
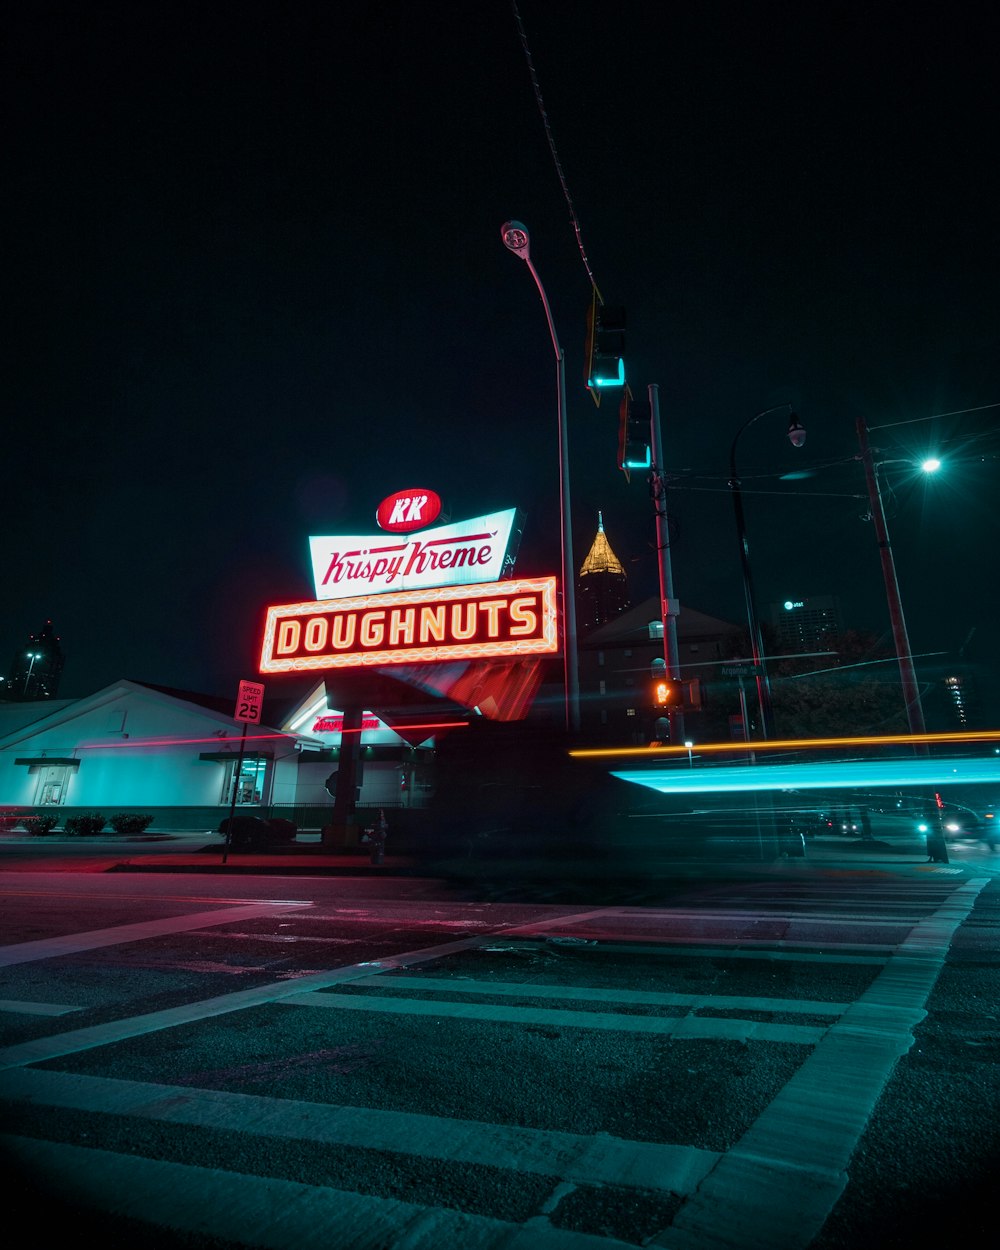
[(667, 693)]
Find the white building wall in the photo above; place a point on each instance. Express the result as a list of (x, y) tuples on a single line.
[(141, 748), (116, 765)]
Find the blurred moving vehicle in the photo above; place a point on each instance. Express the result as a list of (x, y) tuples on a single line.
[(962, 824)]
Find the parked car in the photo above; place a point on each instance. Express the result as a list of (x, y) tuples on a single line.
[(253, 833)]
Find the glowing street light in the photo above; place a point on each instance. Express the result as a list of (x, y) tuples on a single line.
[(517, 240), (32, 656)]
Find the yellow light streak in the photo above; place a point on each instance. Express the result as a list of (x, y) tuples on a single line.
[(790, 744)]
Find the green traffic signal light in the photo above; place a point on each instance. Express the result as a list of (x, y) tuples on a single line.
[(604, 364)]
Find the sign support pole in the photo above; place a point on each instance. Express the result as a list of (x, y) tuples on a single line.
[(236, 786), (249, 700)]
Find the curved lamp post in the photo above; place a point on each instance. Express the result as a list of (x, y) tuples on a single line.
[(900, 638), (516, 239), (797, 435), (32, 656)]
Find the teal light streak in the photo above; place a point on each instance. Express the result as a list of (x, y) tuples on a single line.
[(831, 775)]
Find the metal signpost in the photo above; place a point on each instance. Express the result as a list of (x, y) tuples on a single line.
[(249, 701), (739, 671)]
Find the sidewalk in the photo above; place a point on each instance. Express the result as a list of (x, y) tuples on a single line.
[(200, 852), (311, 857)]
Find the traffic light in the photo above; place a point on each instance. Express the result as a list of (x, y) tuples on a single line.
[(667, 692), (633, 434), (603, 360), (671, 692)]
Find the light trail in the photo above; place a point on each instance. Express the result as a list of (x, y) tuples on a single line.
[(791, 744), (827, 775)]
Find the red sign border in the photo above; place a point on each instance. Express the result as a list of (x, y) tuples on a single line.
[(547, 644)]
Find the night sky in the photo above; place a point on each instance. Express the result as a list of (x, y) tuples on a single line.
[(255, 283)]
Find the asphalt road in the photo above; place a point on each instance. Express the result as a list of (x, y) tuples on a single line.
[(801, 1055)]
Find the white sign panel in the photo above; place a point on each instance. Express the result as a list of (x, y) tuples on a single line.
[(249, 702), (463, 553)]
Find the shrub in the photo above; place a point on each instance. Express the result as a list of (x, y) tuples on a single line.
[(130, 822), (8, 819), (83, 826), (39, 823)]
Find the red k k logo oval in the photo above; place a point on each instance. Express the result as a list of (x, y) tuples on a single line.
[(407, 510)]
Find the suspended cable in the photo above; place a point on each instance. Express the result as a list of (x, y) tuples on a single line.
[(959, 412), (552, 148)]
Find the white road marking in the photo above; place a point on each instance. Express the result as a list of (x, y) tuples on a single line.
[(276, 1214), (584, 993), (23, 1008), (583, 1159), (74, 943), (770, 1192), (684, 1027), (775, 1188)]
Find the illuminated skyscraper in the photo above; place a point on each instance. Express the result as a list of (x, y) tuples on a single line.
[(602, 587)]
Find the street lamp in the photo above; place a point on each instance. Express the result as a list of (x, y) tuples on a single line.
[(516, 239), (797, 436), (32, 656), (936, 844), (901, 641)]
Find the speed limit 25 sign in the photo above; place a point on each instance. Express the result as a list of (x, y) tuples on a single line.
[(249, 702)]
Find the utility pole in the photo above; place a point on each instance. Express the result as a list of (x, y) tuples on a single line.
[(907, 675), (669, 605), (937, 847)]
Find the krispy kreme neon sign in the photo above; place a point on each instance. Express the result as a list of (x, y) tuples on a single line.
[(510, 618), (460, 553)]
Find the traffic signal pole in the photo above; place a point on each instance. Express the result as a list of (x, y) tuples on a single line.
[(669, 606)]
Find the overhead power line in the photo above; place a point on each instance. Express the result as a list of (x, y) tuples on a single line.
[(552, 148), (959, 412)]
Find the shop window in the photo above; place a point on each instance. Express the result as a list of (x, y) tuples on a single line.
[(53, 782), (250, 784)]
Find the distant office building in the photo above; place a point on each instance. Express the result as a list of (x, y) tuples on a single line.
[(36, 668), (602, 587), (958, 701), (615, 661), (801, 625)]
